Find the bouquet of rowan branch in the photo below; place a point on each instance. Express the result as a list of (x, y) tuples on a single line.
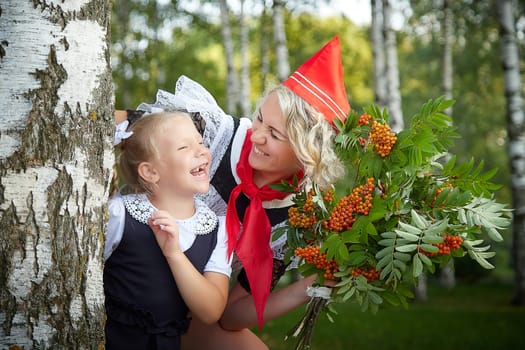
[(404, 208)]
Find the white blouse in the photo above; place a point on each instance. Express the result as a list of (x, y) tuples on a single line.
[(202, 222)]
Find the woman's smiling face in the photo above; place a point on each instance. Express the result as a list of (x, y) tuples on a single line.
[(272, 157)]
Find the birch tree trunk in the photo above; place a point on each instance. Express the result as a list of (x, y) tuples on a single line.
[(392, 70), (447, 275), (516, 143), (378, 50), (265, 45), (279, 35), (448, 38), (232, 86), (56, 157), (122, 19), (245, 64)]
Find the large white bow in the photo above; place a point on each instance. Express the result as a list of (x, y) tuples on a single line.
[(192, 97)]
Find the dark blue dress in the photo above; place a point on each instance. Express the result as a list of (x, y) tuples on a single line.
[(143, 305)]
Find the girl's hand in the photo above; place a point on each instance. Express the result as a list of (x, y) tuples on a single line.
[(166, 232)]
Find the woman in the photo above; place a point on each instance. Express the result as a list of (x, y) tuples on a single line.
[(291, 135)]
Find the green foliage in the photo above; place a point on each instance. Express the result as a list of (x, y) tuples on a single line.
[(400, 214), (479, 113), (469, 317), (153, 44)]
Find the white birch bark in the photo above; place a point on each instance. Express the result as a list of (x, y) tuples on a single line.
[(265, 45), (378, 51), (448, 39), (56, 158), (392, 70), (279, 35), (516, 142), (447, 275), (232, 85), (245, 63)]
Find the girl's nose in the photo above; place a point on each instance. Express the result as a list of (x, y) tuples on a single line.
[(202, 150)]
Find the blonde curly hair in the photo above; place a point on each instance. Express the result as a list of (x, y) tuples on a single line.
[(311, 137)]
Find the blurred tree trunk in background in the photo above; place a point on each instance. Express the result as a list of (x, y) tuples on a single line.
[(516, 139), (123, 25), (56, 158), (392, 70), (265, 44), (245, 63), (279, 34), (378, 50), (447, 275), (232, 90), (447, 65)]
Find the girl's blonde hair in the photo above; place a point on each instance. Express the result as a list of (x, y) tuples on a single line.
[(311, 137), (140, 147)]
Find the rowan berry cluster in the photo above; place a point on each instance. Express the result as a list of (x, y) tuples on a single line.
[(304, 216), (359, 201), (364, 119), (312, 256), (371, 274), (439, 190), (329, 195), (302, 219), (450, 243), (383, 138)]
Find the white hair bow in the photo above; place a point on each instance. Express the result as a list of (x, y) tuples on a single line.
[(121, 133), (192, 97)]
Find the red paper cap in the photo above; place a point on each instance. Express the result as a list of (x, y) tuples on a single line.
[(319, 81)]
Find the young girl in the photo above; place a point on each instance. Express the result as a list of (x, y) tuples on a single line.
[(165, 250)]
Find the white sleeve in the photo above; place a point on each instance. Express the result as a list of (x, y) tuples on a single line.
[(115, 229), (219, 261)]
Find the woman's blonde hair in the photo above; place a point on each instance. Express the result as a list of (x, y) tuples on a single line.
[(140, 147), (311, 137)]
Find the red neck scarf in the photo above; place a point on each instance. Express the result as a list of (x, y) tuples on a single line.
[(253, 246)]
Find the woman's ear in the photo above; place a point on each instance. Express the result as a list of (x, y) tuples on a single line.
[(148, 172)]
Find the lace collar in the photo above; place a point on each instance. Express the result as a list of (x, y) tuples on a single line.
[(202, 222)]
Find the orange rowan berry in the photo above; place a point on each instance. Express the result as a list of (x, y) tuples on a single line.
[(449, 243), (364, 119), (312, 256), (438, 192), (371, 274), (383, 138), (300, 219), (358, 201)]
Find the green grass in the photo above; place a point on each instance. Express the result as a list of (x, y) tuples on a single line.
[(477, 316)]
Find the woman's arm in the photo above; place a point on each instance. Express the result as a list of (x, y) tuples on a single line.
[(240, 311)]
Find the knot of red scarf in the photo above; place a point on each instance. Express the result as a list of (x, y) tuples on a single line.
[(253, 246)]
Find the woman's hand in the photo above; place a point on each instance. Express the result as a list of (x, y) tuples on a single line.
[(120, 115), (166, 232)]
